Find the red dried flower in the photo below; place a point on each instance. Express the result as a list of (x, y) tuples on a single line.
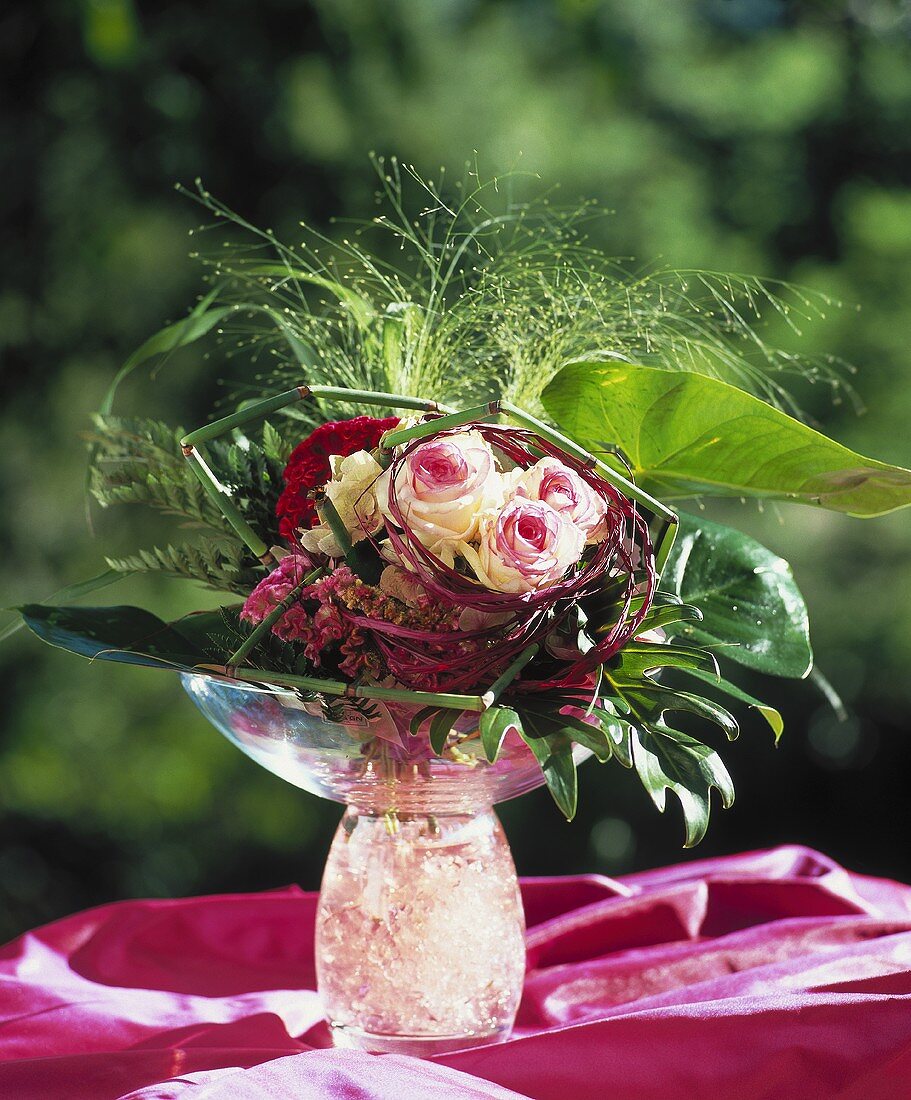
[(308, 467)]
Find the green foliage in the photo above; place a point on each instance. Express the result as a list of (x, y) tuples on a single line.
[(770, 714), (668, 760), (749, 600), (219, 563), (138, 461), (440, 727), (70, 594), (687, 434)]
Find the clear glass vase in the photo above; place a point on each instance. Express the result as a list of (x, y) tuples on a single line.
[(420, 930)]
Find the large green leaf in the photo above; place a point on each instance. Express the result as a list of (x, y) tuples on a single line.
[(748, 597), (69, 594), (128, 635), (686, 434), (668, 760)]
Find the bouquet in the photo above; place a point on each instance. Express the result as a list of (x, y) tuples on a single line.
[(449, 502)]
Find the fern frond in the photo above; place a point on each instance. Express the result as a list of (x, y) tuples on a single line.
[(219, 564), (138, 461)]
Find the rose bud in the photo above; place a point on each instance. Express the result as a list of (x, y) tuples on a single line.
[(526, 546), (566, 492)]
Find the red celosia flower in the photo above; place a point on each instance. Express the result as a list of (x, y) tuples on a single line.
[(308, 467)]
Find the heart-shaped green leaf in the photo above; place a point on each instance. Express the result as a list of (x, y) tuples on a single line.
[(749, 600), (686, 434)]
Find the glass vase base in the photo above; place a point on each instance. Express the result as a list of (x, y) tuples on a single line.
[(415, 1046), (419, 932)]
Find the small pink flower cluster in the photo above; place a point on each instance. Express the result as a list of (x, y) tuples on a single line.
[(319, 617), (314, 618)]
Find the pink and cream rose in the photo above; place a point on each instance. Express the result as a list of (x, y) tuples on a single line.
[(442, 488), (554, 483), (351, 489), (525, 546)]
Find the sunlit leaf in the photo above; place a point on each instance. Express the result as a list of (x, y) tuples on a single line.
[(686, 434), (588, 734)]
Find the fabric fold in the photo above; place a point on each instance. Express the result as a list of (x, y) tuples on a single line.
[(767, 974)]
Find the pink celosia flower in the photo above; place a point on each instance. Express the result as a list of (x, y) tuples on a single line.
[(270, 591)]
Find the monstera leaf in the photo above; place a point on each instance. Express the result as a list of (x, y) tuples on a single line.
[(667, 760), (687, 435), (750, 604)]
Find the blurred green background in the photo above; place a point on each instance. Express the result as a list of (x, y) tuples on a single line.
[(752, 135)]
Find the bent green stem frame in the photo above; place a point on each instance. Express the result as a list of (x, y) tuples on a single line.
[(262, 628), (258, 410), (354, 691)]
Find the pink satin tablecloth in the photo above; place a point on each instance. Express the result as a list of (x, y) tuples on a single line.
[(774, 974)]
